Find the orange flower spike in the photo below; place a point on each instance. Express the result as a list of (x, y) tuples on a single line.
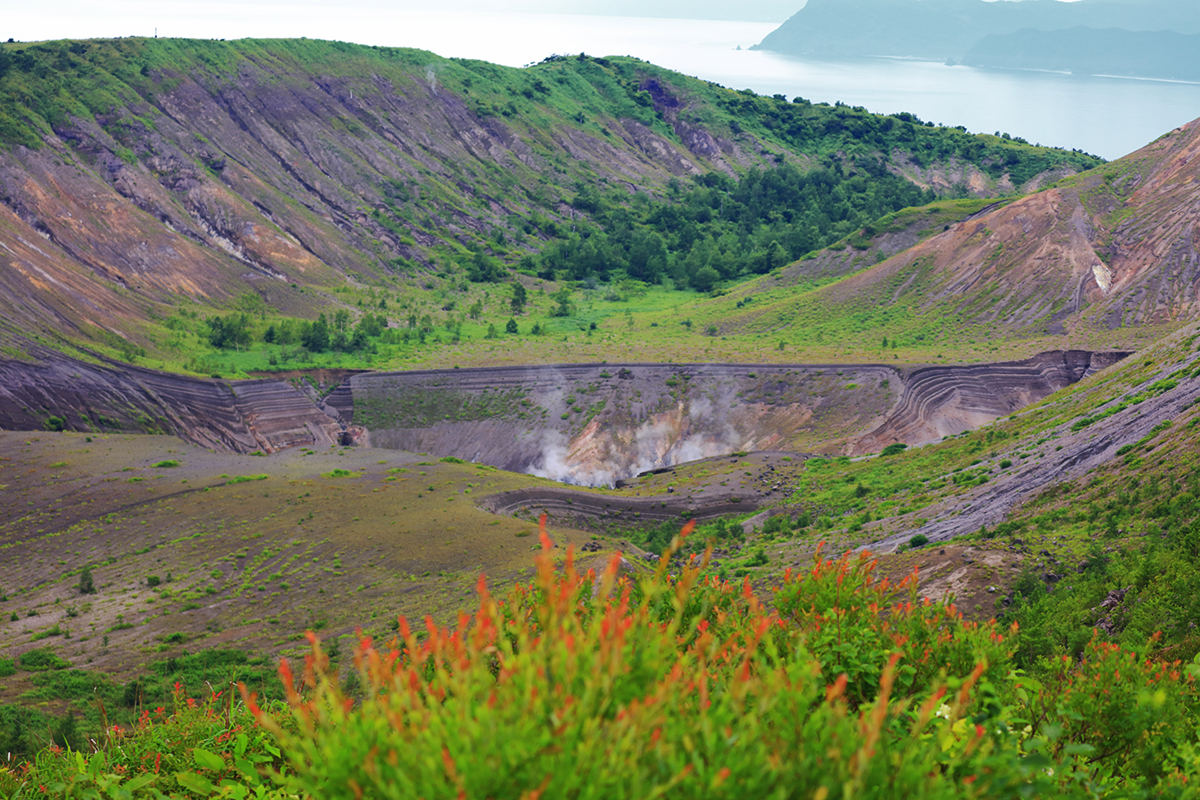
[(928, 706), (687, 529), (251, 701), (837, 688), (976, 674), (285, 674), (569, 567)]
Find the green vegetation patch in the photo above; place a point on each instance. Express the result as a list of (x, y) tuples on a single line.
[(245, 479)]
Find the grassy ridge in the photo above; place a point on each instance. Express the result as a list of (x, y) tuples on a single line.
[(526, 169)]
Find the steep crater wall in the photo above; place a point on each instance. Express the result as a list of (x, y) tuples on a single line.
[(588, 424), (237, 416), (599, 423), (946, 400)]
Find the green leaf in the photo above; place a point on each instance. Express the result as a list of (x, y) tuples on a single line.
[(207, 760), (197, 783), (246, 769), (234, 791), (141, 781)]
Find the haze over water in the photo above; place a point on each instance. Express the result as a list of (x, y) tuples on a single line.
[(1105, 116)]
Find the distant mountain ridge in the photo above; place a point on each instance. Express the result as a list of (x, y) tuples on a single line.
[(1137, 39), (1092, 51)]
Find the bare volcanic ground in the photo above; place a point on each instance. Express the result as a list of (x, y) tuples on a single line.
[(709, 488)]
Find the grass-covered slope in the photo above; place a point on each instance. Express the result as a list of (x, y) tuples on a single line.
[(1102, 259), (141, 176)]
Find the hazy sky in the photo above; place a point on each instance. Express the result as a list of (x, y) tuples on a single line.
[(362, 21), (411, 23)]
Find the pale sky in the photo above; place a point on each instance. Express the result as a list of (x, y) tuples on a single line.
[(363, 21), (462, 28)]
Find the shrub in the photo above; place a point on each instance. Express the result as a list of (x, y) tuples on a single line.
[(87, 584), (153, 580), (920, 540), (339, 473), (246, 479), (593, 686), (207, 746), (894, 449), (41, 659)]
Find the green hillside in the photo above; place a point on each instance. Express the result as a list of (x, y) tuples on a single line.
[(175, 179), (276, 609)]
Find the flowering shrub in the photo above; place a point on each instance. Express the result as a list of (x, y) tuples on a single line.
[(685, 686), (591, 686), (209, 747)]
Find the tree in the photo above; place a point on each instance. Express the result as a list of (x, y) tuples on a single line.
[(491, 332), (87, 585), (705, 279), (485, 269), (563, 298), (511, 327), (518, 299), (231, 331), (341, 319), (316, 338)]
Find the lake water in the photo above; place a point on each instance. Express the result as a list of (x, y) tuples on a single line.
[(1106, 116)]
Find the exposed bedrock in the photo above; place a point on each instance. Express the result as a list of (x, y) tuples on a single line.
[(239, 416), (942, 401), (590, 424), (595, 424), (580, 509)]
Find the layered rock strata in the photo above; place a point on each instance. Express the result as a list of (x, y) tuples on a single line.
[(943, 401), (56, 392)]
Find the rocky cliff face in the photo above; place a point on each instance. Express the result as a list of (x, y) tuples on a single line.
[(590, 424), (596, 424), (943, 401), (238, 416)]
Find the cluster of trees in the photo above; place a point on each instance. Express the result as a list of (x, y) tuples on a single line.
[(857, 132), (239, 330), (720, 228)]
